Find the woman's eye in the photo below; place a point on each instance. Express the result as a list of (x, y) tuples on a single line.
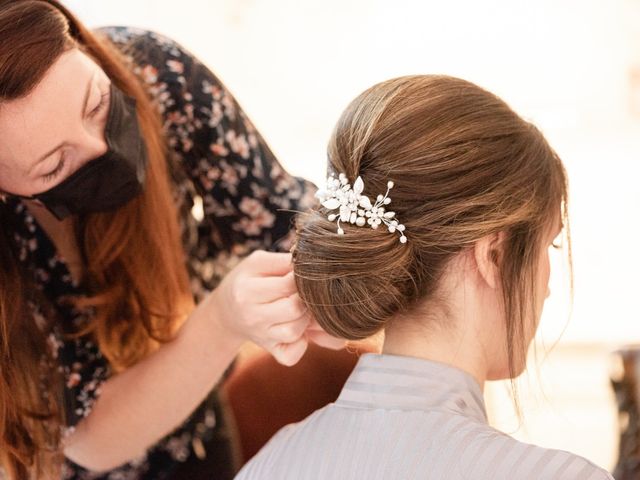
[(557, 242), (104, 100), (55, 172)]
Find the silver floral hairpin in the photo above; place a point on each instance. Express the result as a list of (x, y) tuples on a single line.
[(356, 208)]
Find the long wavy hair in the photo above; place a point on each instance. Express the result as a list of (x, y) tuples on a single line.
[(123, 250)]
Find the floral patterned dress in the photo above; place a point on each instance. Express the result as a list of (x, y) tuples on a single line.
[(221, 163)]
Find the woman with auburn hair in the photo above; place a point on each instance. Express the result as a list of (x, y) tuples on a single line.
[(111, 345), (435, 227)]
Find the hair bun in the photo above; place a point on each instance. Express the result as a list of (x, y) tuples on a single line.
[(354, 282)]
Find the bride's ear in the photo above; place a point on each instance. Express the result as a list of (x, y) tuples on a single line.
[(488, 252)]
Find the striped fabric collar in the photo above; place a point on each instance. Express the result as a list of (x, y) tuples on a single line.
[(406, 383)]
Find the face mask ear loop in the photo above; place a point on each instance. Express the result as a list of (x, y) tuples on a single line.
[(4, 197)]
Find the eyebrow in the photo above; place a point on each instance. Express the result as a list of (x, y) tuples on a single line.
[(60, 145)]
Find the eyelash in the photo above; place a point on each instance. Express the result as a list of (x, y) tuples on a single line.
[(54, 173), (101, 105)]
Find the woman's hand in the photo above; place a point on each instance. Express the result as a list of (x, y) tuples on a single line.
[(258, 301), (317, 335)]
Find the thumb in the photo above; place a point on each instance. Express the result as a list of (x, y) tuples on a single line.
[(290, 353)]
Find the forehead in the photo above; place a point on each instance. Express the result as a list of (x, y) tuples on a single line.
[(31, 125)]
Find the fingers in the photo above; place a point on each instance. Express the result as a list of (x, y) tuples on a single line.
[(269, 263), (288, 340), (284, 321), (289, 332), (269, 289), (323, 339), (284, 310), (317, 335), (289, 353)]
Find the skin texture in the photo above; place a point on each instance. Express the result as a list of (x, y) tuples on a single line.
[(55, 114), (469, 332)]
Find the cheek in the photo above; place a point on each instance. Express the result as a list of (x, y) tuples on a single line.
[(11, 181)]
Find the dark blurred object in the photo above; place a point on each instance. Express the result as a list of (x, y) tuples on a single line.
[(265, 396), (625, 378)]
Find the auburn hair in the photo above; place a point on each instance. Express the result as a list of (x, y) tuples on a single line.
[(122, 249), (464, 166)]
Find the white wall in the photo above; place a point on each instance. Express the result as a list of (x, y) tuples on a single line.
[(564, 64)]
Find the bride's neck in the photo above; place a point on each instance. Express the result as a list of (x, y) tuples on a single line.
[(453, 343)]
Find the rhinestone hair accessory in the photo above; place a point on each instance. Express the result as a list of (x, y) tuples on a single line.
[(355, 208)]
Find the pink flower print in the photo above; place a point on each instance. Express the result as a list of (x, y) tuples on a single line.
[(219, 150), (216, 115), (229, 107), (238, 144), (213, 90), (188, 109), (73, 380), (253, 141), (230, 177), (164, 99), (176, 117), (175, 66), (213, 174), (54, 345), (207, 174), (42, 275), (187, 144), (149, 74), (258, 217), (179, 447)]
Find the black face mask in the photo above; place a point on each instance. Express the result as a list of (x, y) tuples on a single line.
[(110, 180)]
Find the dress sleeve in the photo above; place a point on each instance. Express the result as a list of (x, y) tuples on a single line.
[(247, 199)]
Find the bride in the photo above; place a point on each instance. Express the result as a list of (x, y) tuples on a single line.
[(435, 227)]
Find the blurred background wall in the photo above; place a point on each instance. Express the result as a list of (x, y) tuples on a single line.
[(572, 67)]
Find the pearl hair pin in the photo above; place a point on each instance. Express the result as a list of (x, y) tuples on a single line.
[(356, 208)]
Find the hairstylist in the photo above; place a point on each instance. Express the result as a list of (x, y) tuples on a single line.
[(110, 343)]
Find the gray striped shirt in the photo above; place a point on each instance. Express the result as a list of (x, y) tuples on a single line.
[(407, 418)]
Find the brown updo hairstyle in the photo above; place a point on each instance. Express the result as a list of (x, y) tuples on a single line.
[(464, 166)]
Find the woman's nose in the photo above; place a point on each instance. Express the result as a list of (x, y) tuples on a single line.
[(91, 145)]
